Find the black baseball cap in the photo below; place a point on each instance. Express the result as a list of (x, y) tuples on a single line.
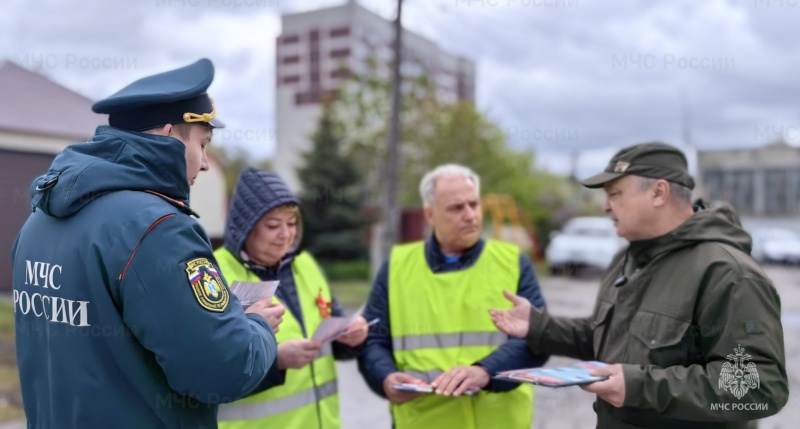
[(653, 160)]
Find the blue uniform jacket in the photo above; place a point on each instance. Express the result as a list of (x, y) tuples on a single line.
[(377, 362), (122, 320)]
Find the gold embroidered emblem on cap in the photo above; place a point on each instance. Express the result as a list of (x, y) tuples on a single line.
[(621, 166)]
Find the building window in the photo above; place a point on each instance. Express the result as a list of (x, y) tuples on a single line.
[(314, 65), (793, 205), (291, 59), (315, 96), (342, 73), (714, 183), (330, 95), (741, 191), (340, 53), (776, 192), (291, 79), (303, 98), (340, 32), (464, 89), (288, 40), (736, 187)]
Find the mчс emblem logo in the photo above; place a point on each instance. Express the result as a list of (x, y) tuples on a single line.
[(207, 285)]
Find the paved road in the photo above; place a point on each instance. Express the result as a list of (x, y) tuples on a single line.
[(571, 408)]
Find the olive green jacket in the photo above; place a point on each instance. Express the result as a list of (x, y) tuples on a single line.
[(688, 302)]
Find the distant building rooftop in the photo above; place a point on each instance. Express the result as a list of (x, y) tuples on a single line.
[(33, 104)]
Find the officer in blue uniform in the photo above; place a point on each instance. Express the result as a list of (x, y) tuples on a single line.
[(122, 318)]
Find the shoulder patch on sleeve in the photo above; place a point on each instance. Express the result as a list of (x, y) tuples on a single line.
[(207, 285), (751, 327)]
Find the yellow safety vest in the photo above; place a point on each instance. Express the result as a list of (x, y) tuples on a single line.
[(441, 320), (309, 397)]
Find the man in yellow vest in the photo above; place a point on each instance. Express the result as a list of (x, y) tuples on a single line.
[(261, 244), (433, 300)]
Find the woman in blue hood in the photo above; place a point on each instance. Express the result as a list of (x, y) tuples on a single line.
[(262, 243)]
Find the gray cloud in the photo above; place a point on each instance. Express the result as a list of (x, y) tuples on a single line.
[(606, 74), (557, 75)]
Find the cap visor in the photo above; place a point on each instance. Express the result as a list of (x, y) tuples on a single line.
[(598, 180), (216, 123)]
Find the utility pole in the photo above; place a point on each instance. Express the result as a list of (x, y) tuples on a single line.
[(573, 166), (391, 212), (686, 119)]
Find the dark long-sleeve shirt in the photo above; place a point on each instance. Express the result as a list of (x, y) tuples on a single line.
[(377, 361)]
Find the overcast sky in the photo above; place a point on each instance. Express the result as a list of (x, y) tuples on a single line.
[(557, 75)]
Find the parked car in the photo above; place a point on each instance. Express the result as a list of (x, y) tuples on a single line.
[(776, 245), (583, 242)]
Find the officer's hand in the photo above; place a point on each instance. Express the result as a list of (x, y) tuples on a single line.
[(461, 379), (400, 396), (611, 390), (297, 353), (274, 316), (356, 333), (272, 313), (516, 321)]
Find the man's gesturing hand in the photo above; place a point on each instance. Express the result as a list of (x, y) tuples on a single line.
[(516, 321)]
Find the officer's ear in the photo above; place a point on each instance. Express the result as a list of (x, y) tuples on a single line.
[(661, 193), (168, 129)]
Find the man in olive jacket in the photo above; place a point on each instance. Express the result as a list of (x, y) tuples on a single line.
[(688, 322)]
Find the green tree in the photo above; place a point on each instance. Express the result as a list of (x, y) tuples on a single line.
[(459, 133), (332, 197), (436, 132), (362, 110)]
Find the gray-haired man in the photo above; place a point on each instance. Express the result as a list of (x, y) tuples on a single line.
[(432, 299)]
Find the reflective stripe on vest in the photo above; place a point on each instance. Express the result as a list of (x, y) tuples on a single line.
[(460, 339), (266, 409)]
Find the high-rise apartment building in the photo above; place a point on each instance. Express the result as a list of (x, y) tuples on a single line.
[(317, 49)]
